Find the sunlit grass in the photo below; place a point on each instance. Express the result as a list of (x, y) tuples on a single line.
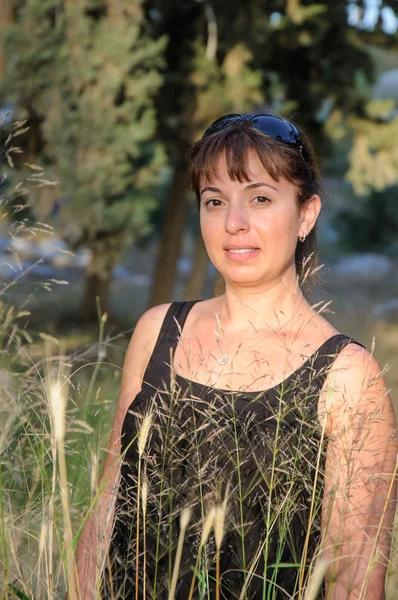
[(190, 458), (199, 477)]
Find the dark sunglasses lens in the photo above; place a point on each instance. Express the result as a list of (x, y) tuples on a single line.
[(221, 123), (277, 128)]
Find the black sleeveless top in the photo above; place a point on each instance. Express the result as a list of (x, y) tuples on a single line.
[(266, 448)]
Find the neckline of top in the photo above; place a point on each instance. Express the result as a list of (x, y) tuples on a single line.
[(254, 393)]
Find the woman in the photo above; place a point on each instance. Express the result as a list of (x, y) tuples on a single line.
[(257, 405)]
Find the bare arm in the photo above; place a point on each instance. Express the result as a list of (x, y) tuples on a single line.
[(95, 537), (360, 487)]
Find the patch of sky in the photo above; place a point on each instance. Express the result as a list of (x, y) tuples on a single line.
[(390, 20), (367, 17), (275, 19), (155, 14), (6, 114)]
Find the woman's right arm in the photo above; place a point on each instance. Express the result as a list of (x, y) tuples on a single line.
[(95, 537)]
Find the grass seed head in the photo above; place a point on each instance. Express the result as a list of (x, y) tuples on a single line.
[(316, 579), (43, 538), (144, 495), (219, 519), (207, 526), (57, 406), (184, 518), (219, 524), (144, 433), (94, 472)]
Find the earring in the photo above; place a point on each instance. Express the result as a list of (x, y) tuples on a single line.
[(302, 237)]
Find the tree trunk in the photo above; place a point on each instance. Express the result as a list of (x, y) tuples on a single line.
[(7, 17), (171, 239), (97, 284), (195, 284)]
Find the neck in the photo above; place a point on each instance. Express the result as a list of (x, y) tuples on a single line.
[(274, 308)]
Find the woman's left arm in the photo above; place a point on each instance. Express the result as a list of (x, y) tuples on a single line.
[(360, 487)]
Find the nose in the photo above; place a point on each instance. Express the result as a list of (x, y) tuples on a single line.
[(236, 220)]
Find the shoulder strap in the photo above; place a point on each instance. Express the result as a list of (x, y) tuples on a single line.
[(157, 372), (318, 366), (305, 384)]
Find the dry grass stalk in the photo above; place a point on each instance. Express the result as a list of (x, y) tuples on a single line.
[(144, 433), (184, 520), (42, 547), (219, 531), (214, 519), (57, 405), (316, 579), (94, 473), (312, 509), (218, 535), (144, 500), (144, 496), (57, 398), (142, 441), (219, 519), (207, 527)]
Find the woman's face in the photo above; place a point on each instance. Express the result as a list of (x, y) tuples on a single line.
[(250, 228)]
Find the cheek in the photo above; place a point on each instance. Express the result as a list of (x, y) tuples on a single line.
[(212, 238), (209, 228), (281, 224), (290, 218)]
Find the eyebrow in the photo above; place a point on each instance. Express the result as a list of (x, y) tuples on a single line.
[(251, 186)]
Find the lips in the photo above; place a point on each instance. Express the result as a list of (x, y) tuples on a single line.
[(240, 252), (240, 247)]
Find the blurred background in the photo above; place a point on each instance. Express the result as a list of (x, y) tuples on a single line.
[(100, 100)]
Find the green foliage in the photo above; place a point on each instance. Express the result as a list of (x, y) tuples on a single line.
[(220, 88), (32, 45), (373, 158), (110, 90), (92, 79)]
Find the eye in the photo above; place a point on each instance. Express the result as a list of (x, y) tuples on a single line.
[(213, 203), (261, 200)]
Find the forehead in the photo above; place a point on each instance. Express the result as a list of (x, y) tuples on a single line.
[(250, 170)]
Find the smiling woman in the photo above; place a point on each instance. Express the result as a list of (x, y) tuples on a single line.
[(256, 223), (281, 157), (246, 413)]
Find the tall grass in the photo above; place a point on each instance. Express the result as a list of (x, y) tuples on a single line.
[(250, 480), (49, 440), (220, 495), (271, 520)]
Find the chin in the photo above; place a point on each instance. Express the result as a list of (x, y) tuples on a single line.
[(247, 278)]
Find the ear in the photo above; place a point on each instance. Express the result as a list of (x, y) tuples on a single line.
[(309, 214)]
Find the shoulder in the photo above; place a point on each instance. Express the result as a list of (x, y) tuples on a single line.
[(138, 353), (150, 322), (146, 332), (356, 369), (355, 389)]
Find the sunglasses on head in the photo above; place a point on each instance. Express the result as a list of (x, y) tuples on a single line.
[(276, 127)]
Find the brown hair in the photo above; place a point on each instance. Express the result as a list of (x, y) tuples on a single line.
[(279, 160)]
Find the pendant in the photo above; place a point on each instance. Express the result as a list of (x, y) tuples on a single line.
[(222, 360)]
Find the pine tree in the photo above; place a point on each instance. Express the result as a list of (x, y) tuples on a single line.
[(91, 71)]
